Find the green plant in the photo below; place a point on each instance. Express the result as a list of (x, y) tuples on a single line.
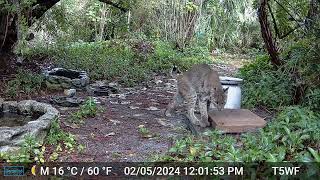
[(88, 109), (30, 151), (25, 82), (57, 137), (312, 99), (263, 85), (292, 136), (144, 131), (110, 60)]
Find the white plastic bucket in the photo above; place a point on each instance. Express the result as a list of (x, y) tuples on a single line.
[(234, 91)]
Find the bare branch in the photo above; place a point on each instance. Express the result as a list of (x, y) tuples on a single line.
[(287, 11), (274, 20), (41, 6)]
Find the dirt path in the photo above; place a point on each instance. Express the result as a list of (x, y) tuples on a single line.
[(114, 134)]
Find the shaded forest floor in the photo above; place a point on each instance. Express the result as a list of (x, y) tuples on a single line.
[(115, 133)]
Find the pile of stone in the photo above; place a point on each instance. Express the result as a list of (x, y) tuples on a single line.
[(60, 78)]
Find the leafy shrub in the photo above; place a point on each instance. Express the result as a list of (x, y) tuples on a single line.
[(89, 109), (312, 99), (57, 135), (265, 86), (30, 151), (25, 82), (302, 58)]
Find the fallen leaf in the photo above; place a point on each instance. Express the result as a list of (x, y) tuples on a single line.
[(110, 134), (152, 108), (115, 122), (133, 107)]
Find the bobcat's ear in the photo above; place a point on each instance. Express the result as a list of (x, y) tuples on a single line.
[(174, 71), (225, 89)]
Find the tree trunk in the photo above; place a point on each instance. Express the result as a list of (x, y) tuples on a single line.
[(8, 21), (267, 34), (8, 34)]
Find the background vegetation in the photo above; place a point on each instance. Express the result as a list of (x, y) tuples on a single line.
[(129, 40)]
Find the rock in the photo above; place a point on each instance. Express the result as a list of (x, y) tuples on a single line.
[(115, 122), (60, 78), (141, 126), (133, 107), (67, 101), (113, 95), (114, 102), (172, 81), (125, 102), (70, 92), (122, 96), (152, 108), (12, 137), (158, 82), (164, 122), (113, 84), (64, 108), (99, 88), (169, 86), (137, 115)]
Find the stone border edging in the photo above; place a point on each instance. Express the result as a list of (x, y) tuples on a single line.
[(11, 137)]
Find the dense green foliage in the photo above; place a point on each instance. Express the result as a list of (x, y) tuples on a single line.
[(128, 61), (292, 136), (152, 35), (25, 82), (265, 85)]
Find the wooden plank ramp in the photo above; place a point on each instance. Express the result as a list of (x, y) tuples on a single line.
[(236, 120)]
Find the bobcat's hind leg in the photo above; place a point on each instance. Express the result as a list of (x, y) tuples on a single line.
[(177, 99), (203, 106)]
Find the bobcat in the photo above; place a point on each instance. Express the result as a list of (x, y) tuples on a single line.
[(199, 83)]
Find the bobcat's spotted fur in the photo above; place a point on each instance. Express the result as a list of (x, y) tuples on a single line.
[(202, 84)]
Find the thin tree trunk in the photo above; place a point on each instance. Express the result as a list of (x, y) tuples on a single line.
[(267, 35), (129, 20)]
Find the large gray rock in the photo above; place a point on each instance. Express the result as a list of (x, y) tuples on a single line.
[(11, 137), (60, 78), (100, 88)]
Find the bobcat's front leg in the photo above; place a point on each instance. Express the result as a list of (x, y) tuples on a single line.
[(191, 104), (203, 106)]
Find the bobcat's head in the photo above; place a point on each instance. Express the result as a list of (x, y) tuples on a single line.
[(220, 98)]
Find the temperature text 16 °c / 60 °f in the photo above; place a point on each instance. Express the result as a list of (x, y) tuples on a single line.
[(75, 171)]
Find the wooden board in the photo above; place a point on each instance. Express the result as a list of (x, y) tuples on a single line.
[(236, 120)]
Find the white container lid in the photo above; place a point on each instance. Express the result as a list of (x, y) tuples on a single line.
[(225, 80)]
